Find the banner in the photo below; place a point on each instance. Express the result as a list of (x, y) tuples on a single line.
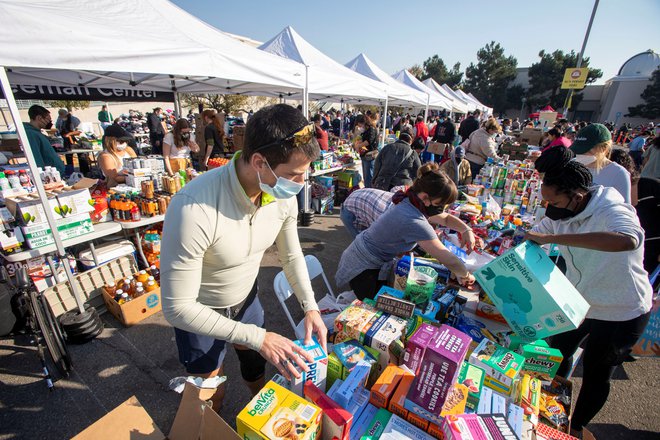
[(88, 94), (575, 78)]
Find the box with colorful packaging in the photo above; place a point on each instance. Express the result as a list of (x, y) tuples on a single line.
[(336, 421), (416, 346), (386, 384), (403, 268), (532, 294), (398, 399), (354, 321), (542, 362), (359, 426), (384, 330), (318, 369), (478, 427), (502, 366), (473, 378), (455, 402), (275, 413), (527, 394), (357, 378), (345, 356), (388, 426)]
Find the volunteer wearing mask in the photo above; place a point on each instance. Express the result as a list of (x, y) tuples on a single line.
[(602, 241), (177, 146), (592, 148), (481, 145), (367, 145), (214, 134), (458, 168), (43, 151), (115, 150), (215, 234), (364, 265)]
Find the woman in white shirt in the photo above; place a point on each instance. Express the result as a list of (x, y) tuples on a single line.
[(592, 148), (177, 146), (115, 150)]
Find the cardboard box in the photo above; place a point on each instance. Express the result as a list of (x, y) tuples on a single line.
[(337, 421), (386, 384), (454, 404), (363, 422), (438, 371), (485, 401), (418, 421), (29, 210), (473, 426), (39, 235), (135, 310), (318, 370), (398, 428), (74, 202), (541, 362), (527, 394), (532, 294), (416, 346), (354, 321), (398, 400), (514, 416), (358, 403), (383, 331), (473, 378), (194, 421), (335, 370), (378, 424), (436, 148), (502, 366), (435, 431), (357, 378), (531, 136), (238, 133)]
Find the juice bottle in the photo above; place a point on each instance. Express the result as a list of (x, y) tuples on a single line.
[(111, 289), (118, 294), (139, 285), (142, 276), (151, 286), (152, 279), (124, 298), (139, 291), (135, 212), (126, 286), (155, 272)]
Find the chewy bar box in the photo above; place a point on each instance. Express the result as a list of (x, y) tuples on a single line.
[(438, 370), (318, 369), (357, 378), (532, 294), (541, 362), (363, 422), (354, 321), (385, 385), (416, 346), (473, 378), (502, 366), (336, 421)]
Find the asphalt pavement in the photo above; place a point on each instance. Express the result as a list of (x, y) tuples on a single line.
[(142, 359)]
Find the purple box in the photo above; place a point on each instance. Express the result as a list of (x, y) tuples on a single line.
[(439, 368), (416, 345)]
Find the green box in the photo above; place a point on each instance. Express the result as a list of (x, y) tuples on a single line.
[(473, 378), (502, 366), (541, 362), (378, 424), (335, 370), (39, 235)]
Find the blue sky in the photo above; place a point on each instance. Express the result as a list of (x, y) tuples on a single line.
[(396, 34)]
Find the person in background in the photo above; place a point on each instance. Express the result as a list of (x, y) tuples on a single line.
[(156, 130), (506, 126), (515, 125), (592, 148), (621, 157), (178, 145), (364, 265), (602, 241), (445, 131), (396, 164), (320, 134), (43, 152), (367, 145), (481, 145), (651, 160), (458, 168), (556, 138), (115, 150), (105, 118), (215, 234), (421, 131), (636, 147), (469, 124), (336, 125), (388, 120), (214, 135), (68, 128)]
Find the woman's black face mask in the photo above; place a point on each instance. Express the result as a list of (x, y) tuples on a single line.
[(555, 213), (434, 210)]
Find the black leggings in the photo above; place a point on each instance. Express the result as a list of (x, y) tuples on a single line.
[(367, 284), (608, 343)]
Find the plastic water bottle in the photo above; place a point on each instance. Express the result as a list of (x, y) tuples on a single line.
[(4, 182)]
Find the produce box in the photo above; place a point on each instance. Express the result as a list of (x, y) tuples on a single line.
[(39, 235), (501, 366), (318, 369), (532, 294), (135, 310)]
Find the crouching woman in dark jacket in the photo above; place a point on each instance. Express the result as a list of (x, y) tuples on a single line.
[(396, 165)]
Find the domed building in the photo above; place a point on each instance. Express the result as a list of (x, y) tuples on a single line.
[(622, 91)]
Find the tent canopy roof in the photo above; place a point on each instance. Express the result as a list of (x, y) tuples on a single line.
[(435, 100), (327, 78), (458, 105), (144, 45)]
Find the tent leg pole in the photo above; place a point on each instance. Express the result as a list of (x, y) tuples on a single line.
[(426, 110), (307, 203), (13, 109), (382, 139)]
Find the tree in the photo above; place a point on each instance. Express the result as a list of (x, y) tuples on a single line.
[(546, 76), (417, 71), (69, 105), (651, 96), (222, 103), (434, 67), (489, 79)]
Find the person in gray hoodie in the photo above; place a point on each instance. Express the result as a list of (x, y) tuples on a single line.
[(602, 241)]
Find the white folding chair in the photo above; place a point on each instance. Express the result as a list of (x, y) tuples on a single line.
[(283, 290)]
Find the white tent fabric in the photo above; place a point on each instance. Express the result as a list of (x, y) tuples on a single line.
[(457, 104), (143, 45), (476, 103), (435, 100), (486, 109), (327, 78), (469, 106), (399, 94)]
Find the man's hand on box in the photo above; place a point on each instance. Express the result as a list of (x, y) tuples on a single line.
[(284, 355), (467, 280), (470, 241), (314, 325), (537, 237)]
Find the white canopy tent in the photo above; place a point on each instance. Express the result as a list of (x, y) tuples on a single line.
[(469, 106), (457, 105), (487, 110), (433, 98)]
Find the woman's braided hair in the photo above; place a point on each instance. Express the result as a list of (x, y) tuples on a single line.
[(562, 172)]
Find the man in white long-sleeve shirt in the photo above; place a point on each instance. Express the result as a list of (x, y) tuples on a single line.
[(215, 234)]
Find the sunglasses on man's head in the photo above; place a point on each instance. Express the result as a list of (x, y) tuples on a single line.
[(298, 138)]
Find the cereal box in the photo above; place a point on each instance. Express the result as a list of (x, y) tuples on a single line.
[(387, 382), (295, 418), (473, 378), (502, 366), (416, 346), (354, 321), (363, 422), (317, 369), (532, 294), (541, 362), (397, 402), (336, 420), (438, 370), (357, 378)]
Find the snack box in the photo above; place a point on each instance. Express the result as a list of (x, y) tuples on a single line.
[(385, 385), (514, 416), (477, 427), (532, 294), (336, 420), (414, 324), (502, 366), (454, 404), (545, 432), (398, 400), (318, 369), (276, 411), (527, 394), (384, 330), (357, 378), (417, 421), (335, 370), (363, 422), (388, 426), (358, 403), (486, 308), (416, 346), (541, 362), (334, 387), (438, 370), (485, 401), (351, 352), (473, 378), (353, 321)]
